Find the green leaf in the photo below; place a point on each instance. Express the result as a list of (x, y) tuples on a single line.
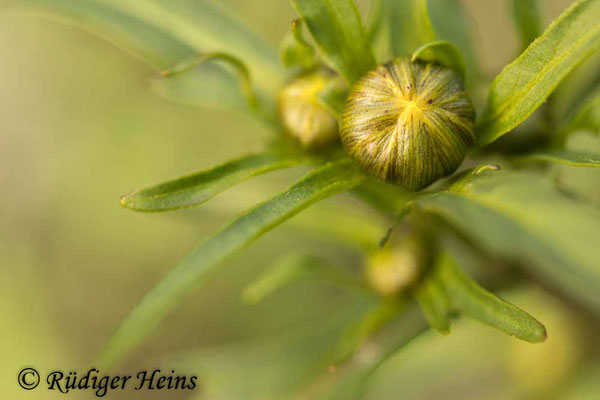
[(295, 267), (374, 19), (434, 302), (422, 23), (357, 333), (524, 217), (352, 379), (209, 85), (443, 53), (133, 34), (202, 26), (524, 85), (321, 183), (196, 188), (338, 31), (284, 271), (451, 23), (463, 180), (575, 159), (409, 25), (295, 51), (585, 117), (473, 301), (240, 68), (527, 19)]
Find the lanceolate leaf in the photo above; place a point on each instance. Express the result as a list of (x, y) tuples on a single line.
[(523, 216), (194, 189), (422, 23), (201, 26), (586, 117), (526, 83), (409, 25), (434, 302), (296, 267), (438, 20), (208, 85), (295, 51), (138, 36), (324, 182), (443, 53), (575, 159), (338, 31), (473, 301), (451, 23), (527, 20), (283, 272)]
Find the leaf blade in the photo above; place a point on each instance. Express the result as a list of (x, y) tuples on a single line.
[(523, 216), (324, 182), (524, 85), (337, 29), (572, 158), (196, 188), (473, 301), (526, 15), (197, 26)]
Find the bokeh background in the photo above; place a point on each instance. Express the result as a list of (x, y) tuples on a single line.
[(79, 127)]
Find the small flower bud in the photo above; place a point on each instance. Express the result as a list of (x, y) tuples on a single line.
[(409, 123), (400, 263), (302, 114)]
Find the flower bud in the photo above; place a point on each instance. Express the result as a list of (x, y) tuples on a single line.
[(400, 263), (302, 114), (409, 123)]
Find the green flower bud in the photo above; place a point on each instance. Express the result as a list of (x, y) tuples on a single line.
[(302, 114), (401, 262), (409, 123)]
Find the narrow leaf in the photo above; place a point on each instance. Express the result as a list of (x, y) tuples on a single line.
[(324, 182), (338, 31), (295, 267), (443, 53), (209, 85), (473, 301), (203, 26), (359, 332), (144, 39), (434, 302), (284, 271), (240, 68), (575, 159), (460, 182), (524, 217), (452, 23), (585, 117), (527, 19), (525, 84), (295, 50), (409, 25), (194, 189), (422, 23), (374, 19)]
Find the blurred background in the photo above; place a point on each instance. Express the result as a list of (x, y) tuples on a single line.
[(79, 127)]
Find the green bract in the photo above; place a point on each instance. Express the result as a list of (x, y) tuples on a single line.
[(408, 122)]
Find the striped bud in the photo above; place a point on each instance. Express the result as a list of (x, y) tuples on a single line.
[(409, 123)]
